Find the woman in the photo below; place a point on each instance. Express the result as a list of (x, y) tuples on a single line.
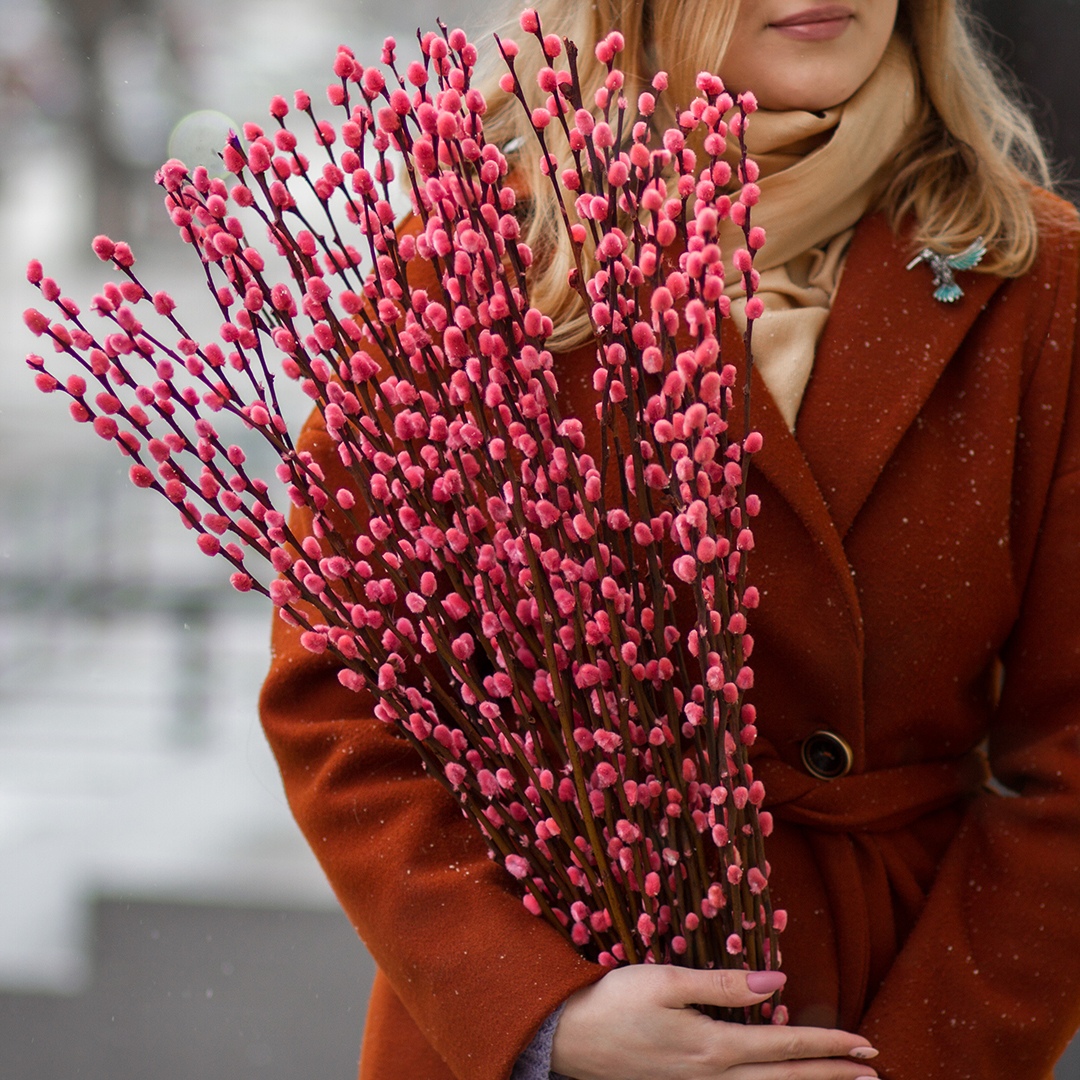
[(919, 555)]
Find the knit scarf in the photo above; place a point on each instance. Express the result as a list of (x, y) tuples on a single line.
[(820, 173)]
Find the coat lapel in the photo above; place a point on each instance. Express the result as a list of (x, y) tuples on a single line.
[(782, 463), (884, 348), (885, 345)]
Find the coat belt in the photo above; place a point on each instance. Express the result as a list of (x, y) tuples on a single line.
[(845, 821), (875, 801)]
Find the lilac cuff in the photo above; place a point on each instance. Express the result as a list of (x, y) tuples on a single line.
[(535, 1060)]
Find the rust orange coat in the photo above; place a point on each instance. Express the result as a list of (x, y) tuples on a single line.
[(921, 528)]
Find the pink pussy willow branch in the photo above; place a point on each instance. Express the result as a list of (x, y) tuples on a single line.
[(560, 631)]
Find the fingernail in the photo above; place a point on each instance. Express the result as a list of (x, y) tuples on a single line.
[(765, 982), (867, 1078), (863, 1053)]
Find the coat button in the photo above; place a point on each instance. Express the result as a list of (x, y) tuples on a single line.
[(827, 756)]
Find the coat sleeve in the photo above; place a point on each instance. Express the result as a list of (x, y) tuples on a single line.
[(477, 973), (987, 987)]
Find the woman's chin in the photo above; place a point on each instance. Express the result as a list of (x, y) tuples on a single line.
[(815, 99)]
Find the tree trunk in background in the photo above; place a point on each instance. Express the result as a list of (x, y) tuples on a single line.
[(123, 51), (85, 22)]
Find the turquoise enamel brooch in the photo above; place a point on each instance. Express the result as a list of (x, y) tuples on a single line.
[(944, 267)]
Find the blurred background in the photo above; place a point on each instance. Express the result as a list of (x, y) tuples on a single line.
[(159, 912)]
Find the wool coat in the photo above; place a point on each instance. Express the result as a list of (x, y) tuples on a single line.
[(918, 555)]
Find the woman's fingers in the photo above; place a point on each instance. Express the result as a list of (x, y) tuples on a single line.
[(763, 1042), (832, 1069), (639, 1023), (682, 986), (757, 1042)]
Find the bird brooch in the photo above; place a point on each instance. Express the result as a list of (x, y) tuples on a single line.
[(944, 267)]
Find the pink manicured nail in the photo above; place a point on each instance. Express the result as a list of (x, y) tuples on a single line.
[(863, 1053), (765, 982)]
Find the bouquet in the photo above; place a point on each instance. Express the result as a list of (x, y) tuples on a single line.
[(559, 630)]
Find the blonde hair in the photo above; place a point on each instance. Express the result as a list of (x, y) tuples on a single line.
[(966, 172)]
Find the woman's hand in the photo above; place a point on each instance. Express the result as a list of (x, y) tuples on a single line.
[(637, 1023)]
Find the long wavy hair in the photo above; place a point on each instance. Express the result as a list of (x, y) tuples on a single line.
[(966, 172)]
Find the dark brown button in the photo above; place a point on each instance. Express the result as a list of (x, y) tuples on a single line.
[(827, 756)]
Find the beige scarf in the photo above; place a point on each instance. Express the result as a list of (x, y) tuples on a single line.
[(820, 172)]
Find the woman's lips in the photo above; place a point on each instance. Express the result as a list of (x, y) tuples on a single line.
[(815, 24)]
